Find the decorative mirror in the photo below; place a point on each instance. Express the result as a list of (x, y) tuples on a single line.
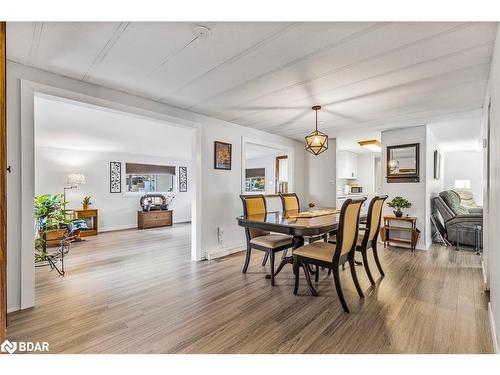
[(403, 163)]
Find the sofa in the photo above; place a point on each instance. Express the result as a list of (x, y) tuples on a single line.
[(452, 214)]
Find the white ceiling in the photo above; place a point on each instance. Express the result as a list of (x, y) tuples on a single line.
[(62, 123), (462, 134), (267, 75)]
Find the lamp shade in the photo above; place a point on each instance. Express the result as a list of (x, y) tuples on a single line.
[(316, 142), (462, 184), (75, 179)]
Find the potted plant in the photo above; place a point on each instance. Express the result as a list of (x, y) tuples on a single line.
[(398, 203), (51, 222), (86, 202)]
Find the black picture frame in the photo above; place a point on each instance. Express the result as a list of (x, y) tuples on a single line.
[(406, 177), (220, 160), (183, 180), (115, 177)]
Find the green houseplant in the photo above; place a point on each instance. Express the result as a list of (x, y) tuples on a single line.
[(398, 203), (50, 217), (86, 202)]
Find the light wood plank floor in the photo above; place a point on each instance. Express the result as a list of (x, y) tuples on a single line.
[(138, 292)]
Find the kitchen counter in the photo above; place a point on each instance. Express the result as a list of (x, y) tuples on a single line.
[(345, 196)]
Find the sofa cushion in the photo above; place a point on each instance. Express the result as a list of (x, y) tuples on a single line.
[(467, 199), (452, 200)]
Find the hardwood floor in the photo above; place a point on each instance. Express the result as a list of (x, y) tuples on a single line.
[(138, 292)]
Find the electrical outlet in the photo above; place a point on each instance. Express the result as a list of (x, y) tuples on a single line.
[(220, 235)]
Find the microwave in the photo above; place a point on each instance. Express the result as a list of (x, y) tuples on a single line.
[(356, 189)]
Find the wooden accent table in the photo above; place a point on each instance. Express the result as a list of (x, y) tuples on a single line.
[(91, 217), (385, 232), (154, 219)]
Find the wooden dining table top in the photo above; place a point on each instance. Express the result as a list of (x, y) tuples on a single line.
[(286, 222)]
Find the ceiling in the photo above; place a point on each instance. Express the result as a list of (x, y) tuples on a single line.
[(62, 123), (463, 134), (372, 76)]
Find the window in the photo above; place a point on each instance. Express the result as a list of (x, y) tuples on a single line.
[(146, 178), (255, 179)]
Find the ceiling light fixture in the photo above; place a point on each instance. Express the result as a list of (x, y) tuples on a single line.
[(372, 145), (316, 142)]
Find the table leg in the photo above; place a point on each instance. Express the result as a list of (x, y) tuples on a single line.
[(298, 241)]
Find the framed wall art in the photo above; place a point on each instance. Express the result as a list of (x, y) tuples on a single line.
[(222, 155), (183, 183), (115, 177)]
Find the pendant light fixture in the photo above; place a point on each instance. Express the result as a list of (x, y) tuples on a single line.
[(316, 142)]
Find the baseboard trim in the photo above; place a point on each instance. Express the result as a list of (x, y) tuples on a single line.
[(130, 226), (12, 309), (494, 337), (485, 279), (219, 253)]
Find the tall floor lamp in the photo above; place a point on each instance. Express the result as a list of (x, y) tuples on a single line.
[(74, 180)]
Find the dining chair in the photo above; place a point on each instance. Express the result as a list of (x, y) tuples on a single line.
[(270, 243), (370, 235), (332, 256), (291, 203)]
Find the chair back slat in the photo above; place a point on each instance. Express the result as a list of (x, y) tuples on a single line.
[(254, 205), (374, 216), (290, 202), (347, 234)]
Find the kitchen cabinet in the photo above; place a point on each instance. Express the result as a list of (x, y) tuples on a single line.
[(347, 165)]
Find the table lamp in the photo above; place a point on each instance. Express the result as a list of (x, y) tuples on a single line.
[(73, 181), (462, 184)]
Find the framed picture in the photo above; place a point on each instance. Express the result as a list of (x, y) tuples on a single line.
[(222, 155), (437, 165), (115, 177), (183, 180)]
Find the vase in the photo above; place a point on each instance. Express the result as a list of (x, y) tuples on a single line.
[(85, 206), (398, 213)]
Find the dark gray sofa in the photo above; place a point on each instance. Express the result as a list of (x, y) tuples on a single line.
[(447, 209)]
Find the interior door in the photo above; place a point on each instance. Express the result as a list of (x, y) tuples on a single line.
[(3, 171)]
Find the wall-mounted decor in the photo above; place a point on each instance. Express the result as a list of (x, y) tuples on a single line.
[(437, 165), (183, 179), (115, 177), (222, 155), (403, 163)]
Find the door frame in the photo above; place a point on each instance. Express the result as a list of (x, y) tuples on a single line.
[(28, 91), (3, 186)]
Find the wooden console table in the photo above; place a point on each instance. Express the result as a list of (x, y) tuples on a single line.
[(91, 217), (388, 228), (153, 219)]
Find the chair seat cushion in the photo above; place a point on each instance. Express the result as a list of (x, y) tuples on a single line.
[(361, 234), (272, 241), (317, 250)]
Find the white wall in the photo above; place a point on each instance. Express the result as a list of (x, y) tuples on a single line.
[(269, 163), (320, 176), (493, 200), (433, 186), (414, 192), (464, 165), (217, 195), (116, 210)]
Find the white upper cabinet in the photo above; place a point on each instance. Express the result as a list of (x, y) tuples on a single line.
[(347, 165)]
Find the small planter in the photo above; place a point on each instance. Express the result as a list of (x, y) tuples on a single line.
[(85, 206), (398, 213)]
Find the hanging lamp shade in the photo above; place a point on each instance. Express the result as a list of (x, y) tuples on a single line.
[(316, 142)]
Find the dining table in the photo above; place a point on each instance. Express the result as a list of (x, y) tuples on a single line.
[(316, 222)]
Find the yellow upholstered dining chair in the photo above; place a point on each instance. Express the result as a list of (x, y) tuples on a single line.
[(290, 202), (369, 234), (330, 255), (270, 243)]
